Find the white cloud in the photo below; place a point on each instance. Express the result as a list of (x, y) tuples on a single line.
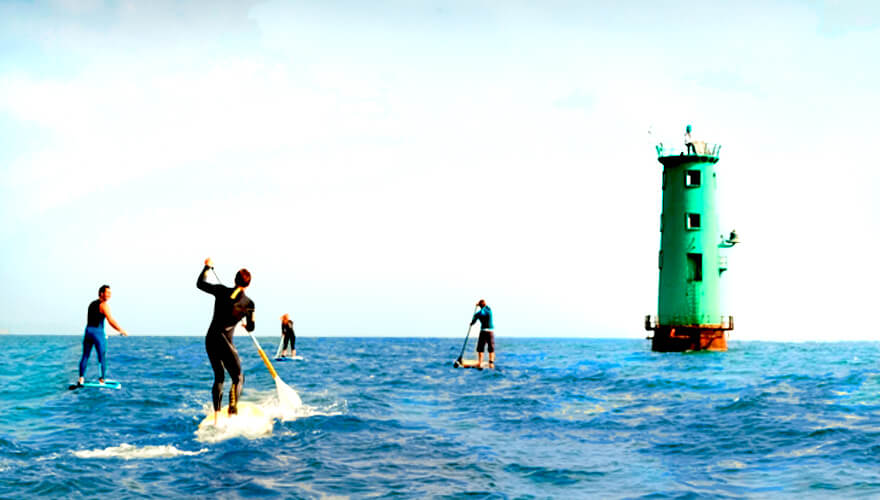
[(428, 171)]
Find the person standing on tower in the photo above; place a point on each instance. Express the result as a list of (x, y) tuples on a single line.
[(689, 140)]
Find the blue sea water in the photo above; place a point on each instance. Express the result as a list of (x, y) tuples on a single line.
[(382, 417)]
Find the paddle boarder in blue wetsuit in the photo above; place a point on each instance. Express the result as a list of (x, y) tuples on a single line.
[(231, 305), (487, 333), (94, 335)]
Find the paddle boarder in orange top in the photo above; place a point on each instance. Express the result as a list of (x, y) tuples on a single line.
[(288, 336)]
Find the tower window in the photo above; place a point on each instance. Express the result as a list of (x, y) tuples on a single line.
[(692, 221), (692, 178), (695, 267)]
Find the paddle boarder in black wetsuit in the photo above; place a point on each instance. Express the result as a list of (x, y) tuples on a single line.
[(288, 336), (231, 305)]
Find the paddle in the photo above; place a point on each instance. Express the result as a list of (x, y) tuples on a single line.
[(287, 397), (280, 344), (457, 362)]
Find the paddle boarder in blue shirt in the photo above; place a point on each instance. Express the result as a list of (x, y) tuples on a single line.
[(94, 335), (231, 306), (487, 333)]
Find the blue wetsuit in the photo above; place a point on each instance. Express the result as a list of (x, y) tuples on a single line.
[(94, 336), (485, 317), (487, 327)]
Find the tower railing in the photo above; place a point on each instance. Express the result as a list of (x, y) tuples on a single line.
[(701, 148), (651, 322)]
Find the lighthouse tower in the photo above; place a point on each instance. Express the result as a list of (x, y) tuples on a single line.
[(689, 316)]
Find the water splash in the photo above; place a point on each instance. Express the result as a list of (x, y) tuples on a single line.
[(256, 420), (129, 452), (253, 421)]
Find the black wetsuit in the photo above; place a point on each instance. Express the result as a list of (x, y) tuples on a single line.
[(228, 312), (289, 335)]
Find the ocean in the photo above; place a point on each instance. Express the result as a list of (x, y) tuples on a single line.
[(391, 417)]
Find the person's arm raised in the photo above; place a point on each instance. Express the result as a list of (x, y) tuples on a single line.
[(202, 283)]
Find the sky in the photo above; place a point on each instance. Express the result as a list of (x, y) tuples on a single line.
[(380, 166)]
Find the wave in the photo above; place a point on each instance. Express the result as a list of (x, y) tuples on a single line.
[(129, 452), (257, 420), (559, 419)]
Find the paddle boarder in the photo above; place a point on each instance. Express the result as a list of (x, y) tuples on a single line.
[(231, 306), (487, 333), (288, 336), (94, 335)]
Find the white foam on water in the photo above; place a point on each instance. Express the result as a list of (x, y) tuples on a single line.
[(251, 423), (802, 452), (51, 456), (128, 452), (304, 411), (289, 405), (326, 406), (730, 464), (257, 421)]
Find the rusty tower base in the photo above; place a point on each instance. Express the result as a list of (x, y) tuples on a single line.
[(689, 338)]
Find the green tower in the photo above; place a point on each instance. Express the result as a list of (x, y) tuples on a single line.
[(689, 316)]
